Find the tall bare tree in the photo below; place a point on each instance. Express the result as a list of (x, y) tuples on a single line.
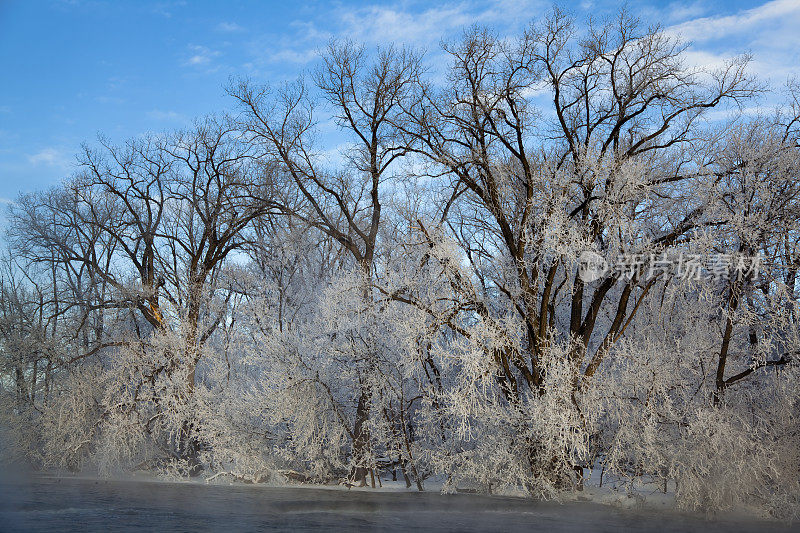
[(619, 97), (366, 96), (150, 226)]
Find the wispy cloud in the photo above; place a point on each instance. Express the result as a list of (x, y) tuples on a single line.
[(229, 27), (769, 32), (705, 59), (296, 47), (117, 82), (167, 116), (718, 27), (379, 23), (299, 57), (201, 55), (384, 23), (167, 9), (52, 157), (678, 11)]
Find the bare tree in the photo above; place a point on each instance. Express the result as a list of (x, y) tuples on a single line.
[(620, 96), (755, 173), (366, 97), (601, 167), (145, 230)]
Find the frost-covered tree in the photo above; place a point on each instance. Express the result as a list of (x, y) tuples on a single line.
[(146, 230), (555, 145), (366, 96), (237, 300)]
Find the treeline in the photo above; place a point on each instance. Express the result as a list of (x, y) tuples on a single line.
[(235, 299)]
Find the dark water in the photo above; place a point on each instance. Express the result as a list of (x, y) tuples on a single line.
[(49, 504)]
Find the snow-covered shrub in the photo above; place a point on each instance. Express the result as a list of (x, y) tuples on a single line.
[(310, 377), (71, 420), (236, 437), (529, 440), (660, 422), (20, 427)]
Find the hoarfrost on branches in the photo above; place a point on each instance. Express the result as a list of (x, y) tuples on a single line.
[(228, 302)]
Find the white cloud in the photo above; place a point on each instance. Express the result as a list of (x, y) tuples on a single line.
[(381, 24), (117, 82), (229, 27), (686, 11), (707, 28), (705, 59), (52, 157), (297, 46), (768, 32), (170, 116), (287, 55), (201, 55), (306, 31), (732, 113), (166, 9)]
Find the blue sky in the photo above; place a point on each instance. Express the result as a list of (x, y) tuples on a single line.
[(73, 69)]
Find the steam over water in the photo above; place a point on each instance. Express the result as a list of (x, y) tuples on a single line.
[(50, 504)]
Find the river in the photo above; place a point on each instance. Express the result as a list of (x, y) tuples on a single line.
[(73, 504)]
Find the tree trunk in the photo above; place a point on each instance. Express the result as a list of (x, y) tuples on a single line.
[(361, 438)]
